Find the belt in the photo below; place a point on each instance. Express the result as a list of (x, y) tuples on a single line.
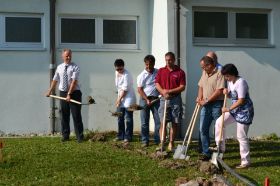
[(152, 97)]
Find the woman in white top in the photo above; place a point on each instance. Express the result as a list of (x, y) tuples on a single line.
[(126, 97), (240, 111)]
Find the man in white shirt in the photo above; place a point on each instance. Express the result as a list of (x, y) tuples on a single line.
[(67, 74), (148, 92), (126, 97)]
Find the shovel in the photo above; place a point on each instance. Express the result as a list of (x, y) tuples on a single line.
[(163, 125), (136, 107), (218, 154), (90, 100), (181, 150)]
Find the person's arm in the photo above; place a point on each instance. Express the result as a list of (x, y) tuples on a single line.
[(53, 84), (120, 97), (143, 95), (162, 91), (177, 90), (199, 94), (71, 89), (238, 103), (215, 95)]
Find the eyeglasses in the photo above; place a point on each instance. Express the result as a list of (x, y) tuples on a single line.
[(119, 69)]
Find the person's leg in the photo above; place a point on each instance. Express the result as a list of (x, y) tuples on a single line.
[(154, 110), (77, 116), (129, 125), (228, 119), (145, 118), (121, 126), (216, 112), (242, 131), (65, 117), (205, 122), (176, 110)]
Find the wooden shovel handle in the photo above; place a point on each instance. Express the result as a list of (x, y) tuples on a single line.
[(62, 98), (223, 118)]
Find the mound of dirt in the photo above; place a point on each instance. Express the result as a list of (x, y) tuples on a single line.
[(98, 137), (172, 164)]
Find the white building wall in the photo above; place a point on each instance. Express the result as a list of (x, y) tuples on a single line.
[(25, 74), (259, 66)]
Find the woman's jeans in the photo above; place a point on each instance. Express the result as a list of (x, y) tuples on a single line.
[(125, 119)]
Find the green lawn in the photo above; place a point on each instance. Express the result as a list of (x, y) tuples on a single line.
[(47, 161)]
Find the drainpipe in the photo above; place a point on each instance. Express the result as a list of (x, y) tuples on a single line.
[(52, 62), (178, 32), (178, 46)]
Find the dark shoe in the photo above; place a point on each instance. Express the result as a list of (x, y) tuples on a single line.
[(80, 140), (64, 139), (244, 166), (204, 157)]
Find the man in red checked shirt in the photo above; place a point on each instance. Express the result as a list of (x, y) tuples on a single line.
[(170, 82)]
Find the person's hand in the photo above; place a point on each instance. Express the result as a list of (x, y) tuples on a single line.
[(165, 93), (148, 102), (118, 102), (48, 93), (68, 98), (225, 91), (224, 109), (198, 100)]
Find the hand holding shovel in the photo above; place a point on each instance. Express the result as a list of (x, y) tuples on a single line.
[(215, 155)]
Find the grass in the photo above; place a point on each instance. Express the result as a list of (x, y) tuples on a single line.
[(47, 161)]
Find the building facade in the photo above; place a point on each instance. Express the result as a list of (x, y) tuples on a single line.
[(33, 33)]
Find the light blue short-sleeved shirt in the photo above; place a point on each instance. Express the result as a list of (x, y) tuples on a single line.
[(146, 80)]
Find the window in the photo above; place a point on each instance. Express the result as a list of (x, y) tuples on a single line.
[(232, 27), (210, 24), (98, 32), (119, 32), (21, 31), (251, 26), (77, 30)]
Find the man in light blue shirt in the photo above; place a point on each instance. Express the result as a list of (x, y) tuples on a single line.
[(148, 92)]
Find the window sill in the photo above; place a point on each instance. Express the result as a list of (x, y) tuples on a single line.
[(235, 45), (22, 49), (101, 50)]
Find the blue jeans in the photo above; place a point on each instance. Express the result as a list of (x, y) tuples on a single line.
[(126, 118), (209, 113), (145, 118)]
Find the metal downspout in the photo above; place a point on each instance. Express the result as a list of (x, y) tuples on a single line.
[(52, 62), (178, 32), (178, 46)]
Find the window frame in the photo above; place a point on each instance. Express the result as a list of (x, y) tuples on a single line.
[(99, 45), (21, 45), (231, 40)]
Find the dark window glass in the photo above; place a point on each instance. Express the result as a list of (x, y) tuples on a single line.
[(119, 32), (211, 24), (23, 29), (77, 30), (251, 25)]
